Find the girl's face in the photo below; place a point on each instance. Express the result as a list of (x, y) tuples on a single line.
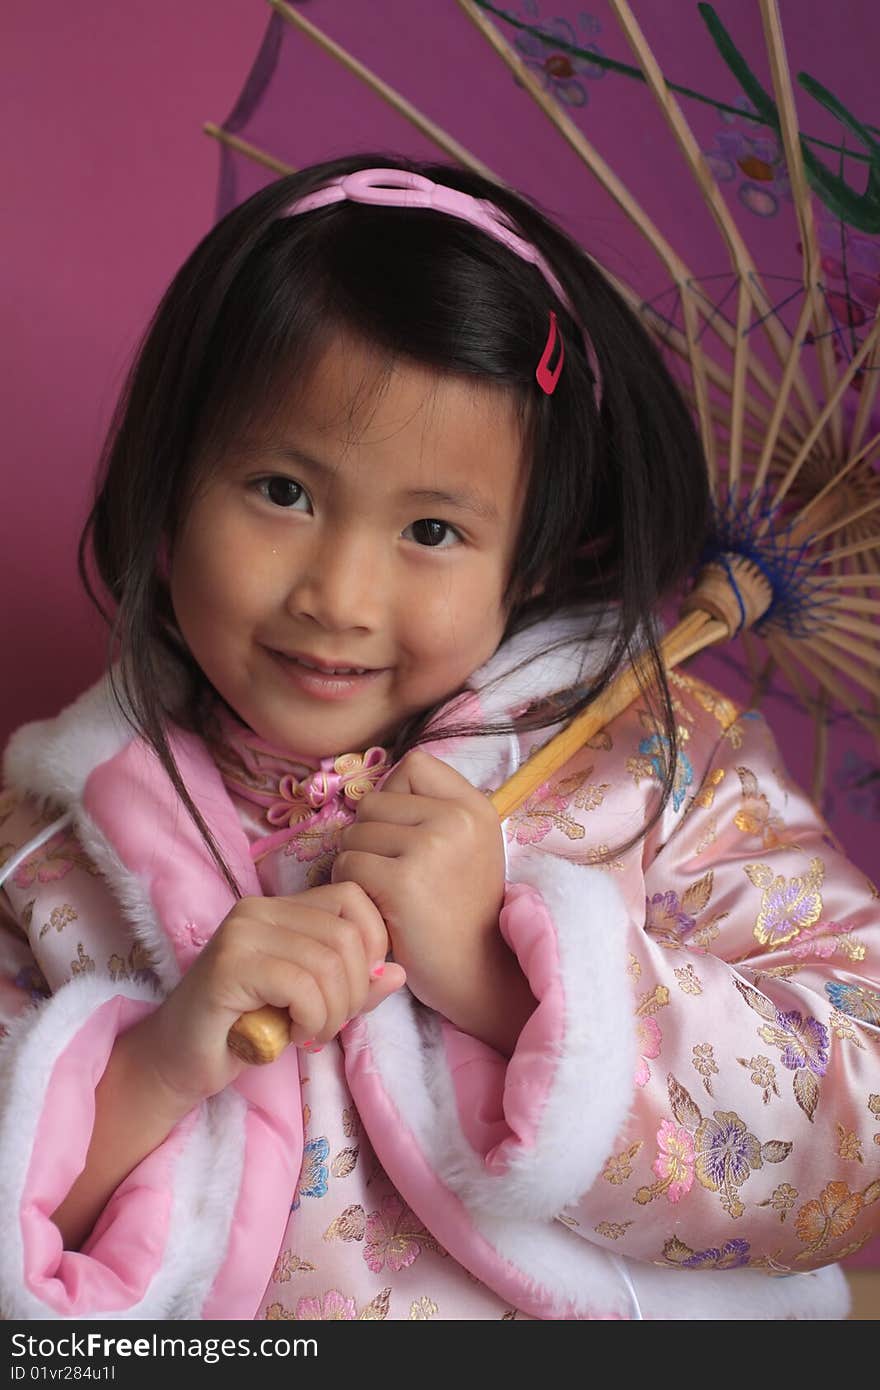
[(344, 567)]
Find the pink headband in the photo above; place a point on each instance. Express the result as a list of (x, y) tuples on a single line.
[(401, 189)]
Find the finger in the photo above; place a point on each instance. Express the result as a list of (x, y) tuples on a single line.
[(373, 873), (421, 774), (379, 837), (347, 902), (397, 808), (392, 978)]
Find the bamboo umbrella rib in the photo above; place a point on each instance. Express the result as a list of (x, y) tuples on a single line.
[(857, 548), (678, 271), (856, 605), (434, 132), (787, 651), (850, 581), (829, 406), (843, 621), (268, 161), (773, 428), (737, 249), (676, 340), (803, 206), (839, 650), (847, 520), (838, 478), (870, 382)]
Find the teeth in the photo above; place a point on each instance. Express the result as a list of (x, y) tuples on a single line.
[(332, 670)]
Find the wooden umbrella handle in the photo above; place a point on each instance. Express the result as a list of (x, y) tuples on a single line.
[(262, 1036)]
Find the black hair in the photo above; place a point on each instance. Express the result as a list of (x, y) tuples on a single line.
[(617, 496)]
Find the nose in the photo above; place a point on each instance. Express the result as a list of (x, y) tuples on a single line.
[(340, 583)]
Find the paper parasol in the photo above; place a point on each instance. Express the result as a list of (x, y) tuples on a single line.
[(794, 556)]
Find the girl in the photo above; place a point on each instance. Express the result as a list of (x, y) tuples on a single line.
[(396, 471)]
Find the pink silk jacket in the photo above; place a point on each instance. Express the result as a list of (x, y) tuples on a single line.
[(689, 1126)]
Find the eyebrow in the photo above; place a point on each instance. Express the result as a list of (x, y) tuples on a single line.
[(466, 499)]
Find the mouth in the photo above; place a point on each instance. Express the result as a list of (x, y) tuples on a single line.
[(325, 668), (325, 680)]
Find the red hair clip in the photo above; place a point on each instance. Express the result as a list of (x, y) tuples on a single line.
[(545, 376)]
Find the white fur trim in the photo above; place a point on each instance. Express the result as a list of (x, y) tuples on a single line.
[(589, 1098), (524, 669), (52, 758), (133, 894), (207, 1173)]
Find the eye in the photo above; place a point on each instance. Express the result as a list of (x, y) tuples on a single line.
[(430, 532), (284, 492)]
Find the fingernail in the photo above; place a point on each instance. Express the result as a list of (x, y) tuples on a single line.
[(377, 970), (313, 1048)]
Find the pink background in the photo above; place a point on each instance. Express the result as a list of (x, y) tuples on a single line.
[(107, 184)]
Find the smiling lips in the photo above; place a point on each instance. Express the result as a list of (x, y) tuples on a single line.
[(323, 680)]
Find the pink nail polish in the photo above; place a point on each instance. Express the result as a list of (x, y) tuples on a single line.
[(378, 970), (309, 1042)]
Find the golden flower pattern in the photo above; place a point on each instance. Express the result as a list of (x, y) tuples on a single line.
[(753, 1133)]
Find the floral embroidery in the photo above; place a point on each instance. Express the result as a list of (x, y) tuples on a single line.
[(763, 1076), (666, 919), (755, 816), (137, 966), (689, 981), (726, 1155), (705, 797), (733, 1255), (804, 1043), (653, 759), (351, 1224), (423, 1309), (619, 1167), (849, 1145), (314, 1176), (704, 1063), (276, 1312), (83, 965), (288, 1264), (709, 836), (59, 919), (855, 1000), (52, 861), (786, 906), (612, 1230), (350, 1122), (825, 939), (831, 1215), (674, 1165), (395, 1236), (648, 1043), (542, 812), (344, 1163), (782, 1199), (336, 1307), (843, 1030), (719, 1151)]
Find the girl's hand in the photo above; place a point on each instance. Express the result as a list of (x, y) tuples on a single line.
[(315, 954), (428, 850)]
